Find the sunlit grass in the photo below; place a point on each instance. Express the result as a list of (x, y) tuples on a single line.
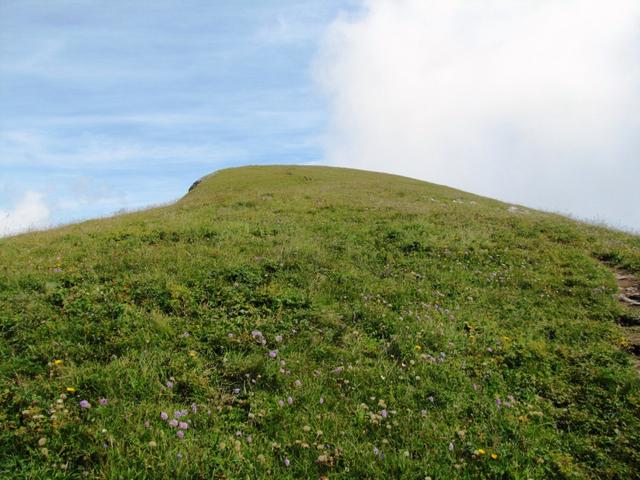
[(299, 322)]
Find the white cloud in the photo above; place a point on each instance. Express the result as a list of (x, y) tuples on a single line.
[(29, 213), (533, 101)]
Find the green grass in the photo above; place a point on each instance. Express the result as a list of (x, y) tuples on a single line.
[(406, 310)]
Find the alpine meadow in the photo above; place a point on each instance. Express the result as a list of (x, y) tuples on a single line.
[(312, 322)]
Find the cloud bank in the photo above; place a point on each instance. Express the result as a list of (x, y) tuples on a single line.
[(29, 213), (533, 102)]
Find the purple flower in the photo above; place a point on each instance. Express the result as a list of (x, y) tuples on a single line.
[(57, 270), (376, 451), (286, 462), (281, 403), (297, 383), (290, 400), (256, 334), (180, 434), (85, 404), (169, 384), (103, 401), (273, 353), (384, 413), (498, 402), (164, 416), (183, 425), (173, 423), (490, 350)]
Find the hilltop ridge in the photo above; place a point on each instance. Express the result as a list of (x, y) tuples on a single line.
[(309, 322)]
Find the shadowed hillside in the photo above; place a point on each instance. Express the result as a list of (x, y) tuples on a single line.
[(301, 322)]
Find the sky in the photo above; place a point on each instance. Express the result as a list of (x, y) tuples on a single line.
[(111, 106)]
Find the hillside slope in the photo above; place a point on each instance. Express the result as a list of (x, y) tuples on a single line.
[(299, 322)]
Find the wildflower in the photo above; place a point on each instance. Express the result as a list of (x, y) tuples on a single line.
[(153, 444), (297, 383), (431, 399), (249, 439), (278, 338), (183, 425), (287, 462), (42, 442), (376, 451), (194, 408), (169, 384), (290, 400), (475, 386), (193, 353), (490, 350), (451, 446), (164, 416), (230, 335), (498, 401), (494, 456), (85, 404), (273, 353), (321, 400), (417, 348), (384, 413), (103, 401), (481, 451), (180, 434), (57, 361), (71, 390), (256, 334), (173, 423), (236, 391), (423, 412), (281, 403)]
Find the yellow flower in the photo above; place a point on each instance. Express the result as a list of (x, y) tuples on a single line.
[(193, 353), (494, 456), (481, 451), (57, 362), (417, 348), (71, 390)]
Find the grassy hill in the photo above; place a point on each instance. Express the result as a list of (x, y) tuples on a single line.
[(301, 322)]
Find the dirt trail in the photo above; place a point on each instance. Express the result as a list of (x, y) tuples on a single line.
[(629, 296)]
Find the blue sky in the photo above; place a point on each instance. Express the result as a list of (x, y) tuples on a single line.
[(121, 104)]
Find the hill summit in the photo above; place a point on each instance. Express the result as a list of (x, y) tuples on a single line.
[(311, 322)]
